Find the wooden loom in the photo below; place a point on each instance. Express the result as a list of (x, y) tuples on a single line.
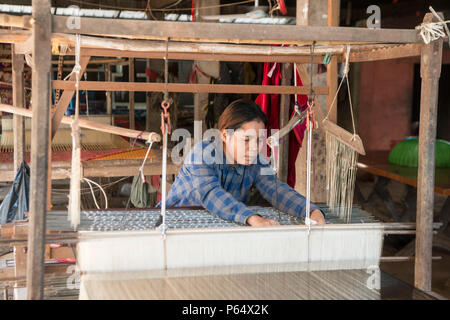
[(331, 247), (150, 30)]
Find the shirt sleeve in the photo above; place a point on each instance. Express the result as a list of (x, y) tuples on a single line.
[(213, 197), (280, 194)]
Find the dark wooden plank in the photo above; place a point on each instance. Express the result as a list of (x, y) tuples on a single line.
[(131, 93), (430, 70), (285, 102), (396, 52), (231, 33), (42, 31), (184, 87)]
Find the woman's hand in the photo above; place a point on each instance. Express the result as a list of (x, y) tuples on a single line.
[(317, 216), (258, 221)]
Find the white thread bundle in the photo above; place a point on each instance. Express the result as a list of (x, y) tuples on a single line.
[(432, 31), (341, 176)]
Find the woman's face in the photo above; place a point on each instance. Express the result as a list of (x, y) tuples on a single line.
[(241, 145)]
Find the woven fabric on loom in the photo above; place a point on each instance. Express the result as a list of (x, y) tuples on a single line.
[(93, 143), (134, 154)]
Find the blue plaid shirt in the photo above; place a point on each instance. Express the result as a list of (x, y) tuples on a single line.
[(223, 188)]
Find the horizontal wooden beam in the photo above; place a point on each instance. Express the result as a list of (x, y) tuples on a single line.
[(14, 36), (9, 20), (150, 49), (101, 168), (230, 32), (184, 87), (192, 47), (88, 124), (395, 52), (202, 56)]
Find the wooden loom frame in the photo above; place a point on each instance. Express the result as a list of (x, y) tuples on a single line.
[(45, 27)]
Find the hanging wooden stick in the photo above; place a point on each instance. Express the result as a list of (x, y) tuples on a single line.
[(342, 154), (351, 140)]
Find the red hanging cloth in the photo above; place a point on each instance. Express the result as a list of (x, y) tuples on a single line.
[(270, 104)]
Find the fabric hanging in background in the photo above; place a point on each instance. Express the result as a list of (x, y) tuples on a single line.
[(270, 104), (16, 202)]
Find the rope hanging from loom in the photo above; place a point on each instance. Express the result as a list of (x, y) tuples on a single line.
[(309, 128), (75, 174), (90, 182), (141, 168), (165, 129), (341, 161), (62, 53)]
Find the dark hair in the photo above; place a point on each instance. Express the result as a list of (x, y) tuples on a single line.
[(239, 112)]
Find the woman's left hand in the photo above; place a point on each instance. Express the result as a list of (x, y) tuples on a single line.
[(317, 216)]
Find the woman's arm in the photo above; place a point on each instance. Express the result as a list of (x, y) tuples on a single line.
[(214, 198), (288, 200)]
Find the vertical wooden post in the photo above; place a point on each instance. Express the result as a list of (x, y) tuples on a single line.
[(131, 93), (108, 93), (39, 145), (285, 101), (302, 13), (147, 100), (19, 102), (209, 67), (313, 13), (332, 70), (430, 70)]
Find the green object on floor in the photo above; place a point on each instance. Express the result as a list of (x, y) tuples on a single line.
[(406, 153)]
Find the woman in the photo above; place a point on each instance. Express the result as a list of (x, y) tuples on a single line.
[(219, 172)]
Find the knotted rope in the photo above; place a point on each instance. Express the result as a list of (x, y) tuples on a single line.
[(430, 31)]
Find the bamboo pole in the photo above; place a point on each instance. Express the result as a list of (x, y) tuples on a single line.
[(88, 124), (430, 70), (192, 47)]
